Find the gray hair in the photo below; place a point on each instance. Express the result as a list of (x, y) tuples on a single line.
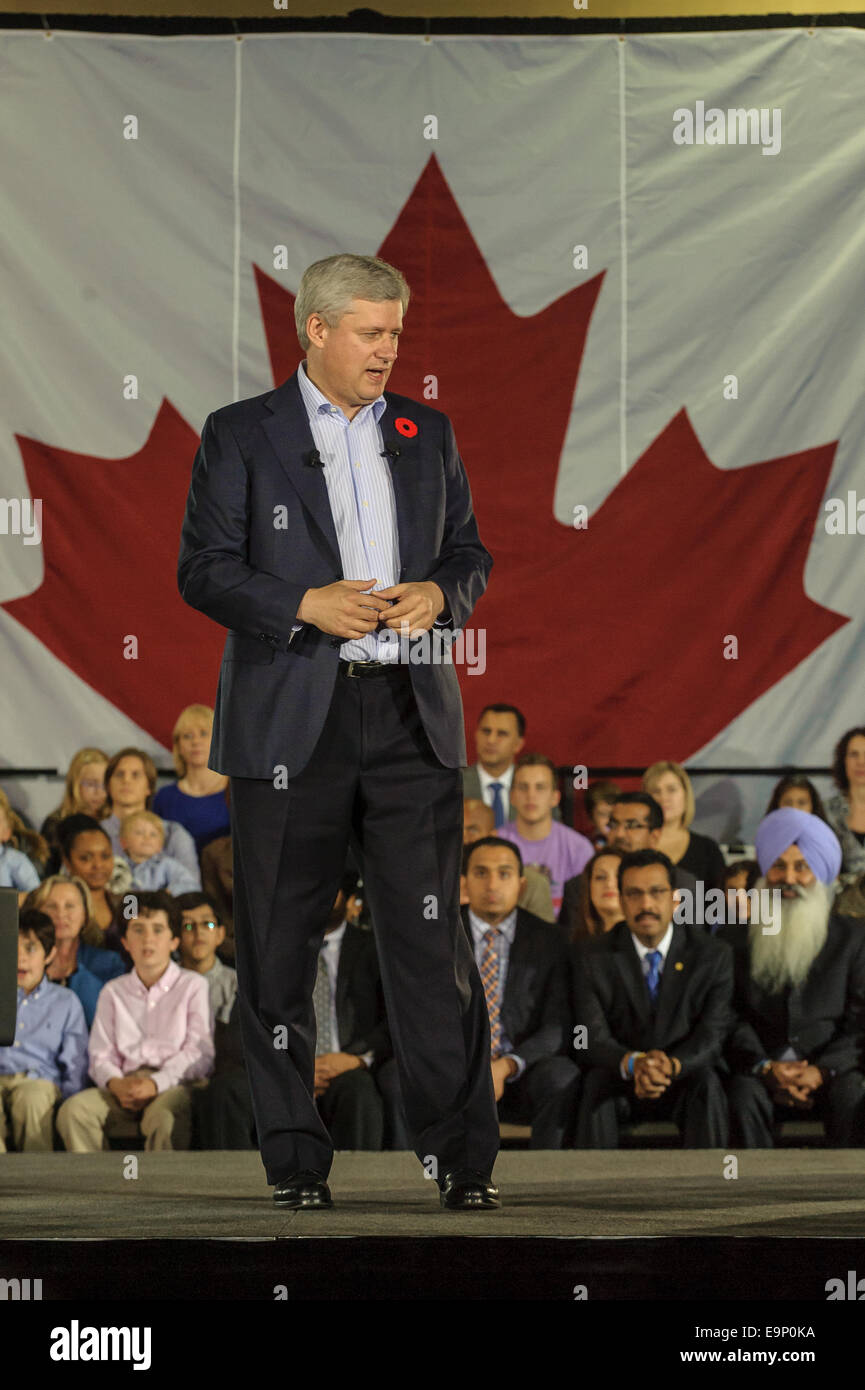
[(328, 287)]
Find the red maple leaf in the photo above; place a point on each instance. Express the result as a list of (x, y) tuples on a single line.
[(611, 638), (110, 537)]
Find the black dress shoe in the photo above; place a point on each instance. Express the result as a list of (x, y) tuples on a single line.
[(305, 1189), (467, 1190)]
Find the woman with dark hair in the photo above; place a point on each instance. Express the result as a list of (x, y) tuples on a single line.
[(797, 791), (598, 905), (845, 811), (87, 854)]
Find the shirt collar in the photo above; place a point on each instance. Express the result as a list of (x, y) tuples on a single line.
[(663, 945), (36, 991), (165, 981), (334, 938), (317, 403), (507, 927), (486, 778)]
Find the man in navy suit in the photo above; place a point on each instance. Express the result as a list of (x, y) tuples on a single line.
[(325, 518)]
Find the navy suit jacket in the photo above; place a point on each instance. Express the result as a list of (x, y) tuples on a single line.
[(692, 1016), (258, 532)]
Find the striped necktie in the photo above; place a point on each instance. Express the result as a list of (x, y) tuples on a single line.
[(490, 982)]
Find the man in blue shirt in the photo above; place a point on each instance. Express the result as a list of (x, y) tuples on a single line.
[(47, 1061)]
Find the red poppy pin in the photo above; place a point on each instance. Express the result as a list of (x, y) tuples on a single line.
[(406, 427)]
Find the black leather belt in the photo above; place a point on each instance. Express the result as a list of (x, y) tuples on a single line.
[(372, 668)]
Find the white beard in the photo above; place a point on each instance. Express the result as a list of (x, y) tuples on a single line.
[(784, 957)]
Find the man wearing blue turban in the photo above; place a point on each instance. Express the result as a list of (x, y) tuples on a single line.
[(796, 1043)]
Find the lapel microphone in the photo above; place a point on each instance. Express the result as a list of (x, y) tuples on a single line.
[(391, 449), (313, 459)]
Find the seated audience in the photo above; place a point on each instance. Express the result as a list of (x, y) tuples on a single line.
[(142, 840), (87, 854), (524, 972), (654, 998), (83, 794), (598, 803), (591, 904), (799, 792), (197, 799), (17, 870), (845, 811), (671, 787), (799, 1007), (151, 1039), (478, 820), (636, 822), (48, 1059), (548, 845), (739, 878), (130, 781), (79, 960)]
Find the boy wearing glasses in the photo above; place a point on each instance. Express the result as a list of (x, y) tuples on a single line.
[(201, 935)]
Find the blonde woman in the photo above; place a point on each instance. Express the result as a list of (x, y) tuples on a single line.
[(79, 960), (22, 851), (670, 785), (197, 799), (84, 794)]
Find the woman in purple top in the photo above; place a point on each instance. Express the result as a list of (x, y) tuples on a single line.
[(197, 799)]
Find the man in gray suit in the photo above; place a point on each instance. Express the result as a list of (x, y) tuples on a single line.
[(325, 518)]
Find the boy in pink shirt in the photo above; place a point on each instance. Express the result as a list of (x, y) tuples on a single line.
[(151, 1039)]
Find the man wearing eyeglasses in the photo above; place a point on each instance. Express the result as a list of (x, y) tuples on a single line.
[(636, 821), (654, 997)]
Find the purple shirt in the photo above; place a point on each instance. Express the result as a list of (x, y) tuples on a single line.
[(167, 1027), (560, 856)]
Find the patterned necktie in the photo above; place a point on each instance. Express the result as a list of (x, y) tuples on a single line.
[(498, 803), (321, 1004), (490, 981), (653, 979)]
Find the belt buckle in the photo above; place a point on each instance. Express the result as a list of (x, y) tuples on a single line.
[(351, 670)]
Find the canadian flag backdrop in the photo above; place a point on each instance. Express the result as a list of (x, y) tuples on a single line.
[(687, 388)]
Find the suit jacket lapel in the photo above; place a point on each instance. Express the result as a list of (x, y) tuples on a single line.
[(673, 978), (404, 474), (517, 959), (631, 971), (291, 439), (290, 436)]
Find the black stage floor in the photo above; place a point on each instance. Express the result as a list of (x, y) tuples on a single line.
[(629, 1225)]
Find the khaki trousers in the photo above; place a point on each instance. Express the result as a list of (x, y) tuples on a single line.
[(86, 1121), (30, 1105)]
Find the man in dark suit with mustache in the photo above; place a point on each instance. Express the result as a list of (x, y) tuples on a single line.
[(654, 998), (324, 519)]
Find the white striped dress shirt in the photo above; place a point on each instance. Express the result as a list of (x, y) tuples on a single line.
[(360, 491)]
